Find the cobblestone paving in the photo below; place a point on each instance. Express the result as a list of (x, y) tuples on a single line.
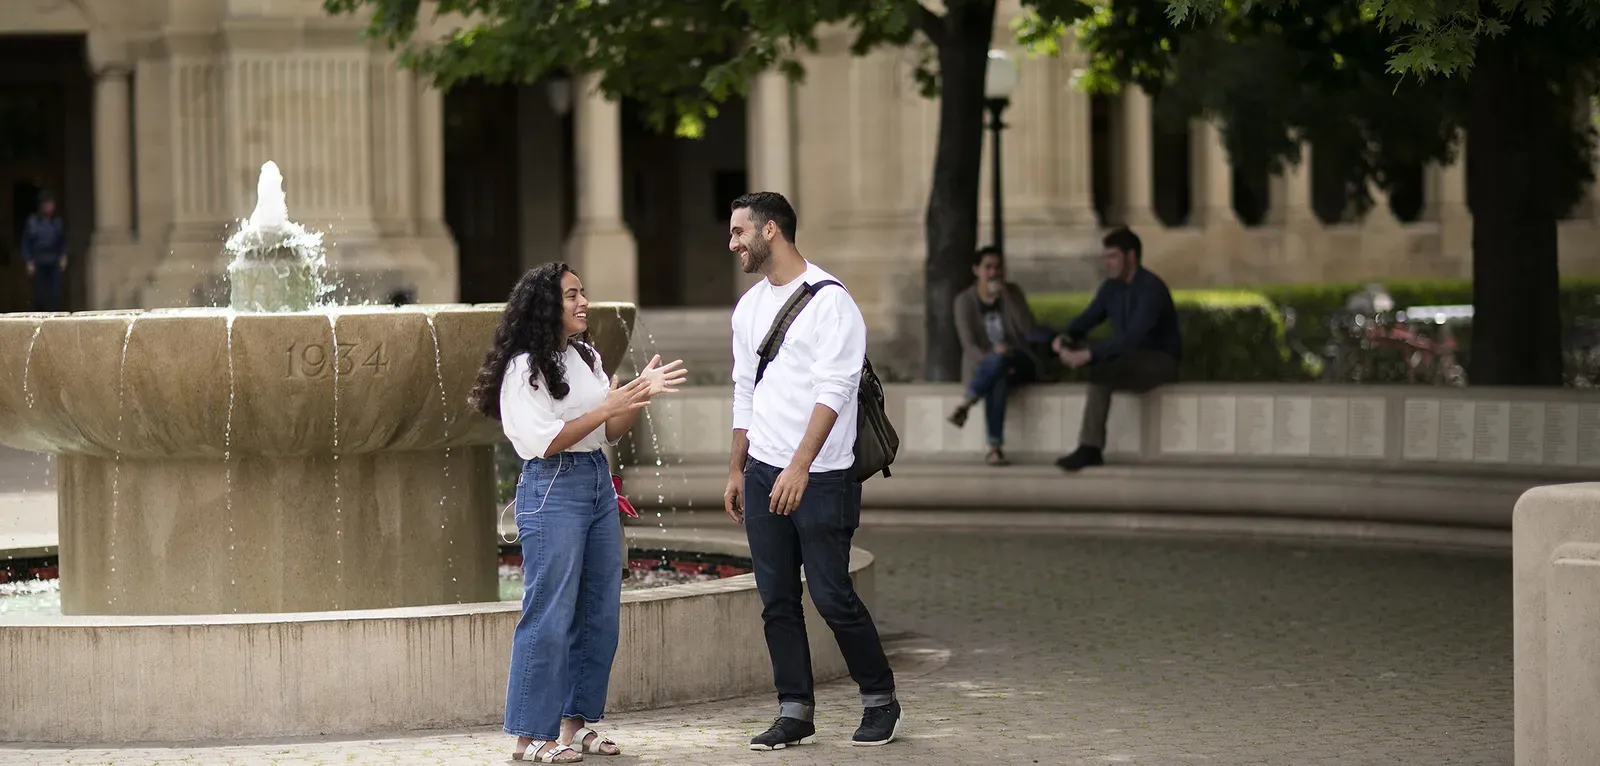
[(1084, 649)]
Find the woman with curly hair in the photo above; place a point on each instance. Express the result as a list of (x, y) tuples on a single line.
[(543, 381)]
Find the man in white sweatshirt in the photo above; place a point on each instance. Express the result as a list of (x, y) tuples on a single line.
[(791, 481)]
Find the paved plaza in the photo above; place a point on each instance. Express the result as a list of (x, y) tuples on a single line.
[(1034, 645)]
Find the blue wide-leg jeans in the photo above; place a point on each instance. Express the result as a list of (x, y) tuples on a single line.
[(571, 594), (996, 377)]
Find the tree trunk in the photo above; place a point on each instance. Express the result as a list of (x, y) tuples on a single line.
[(1511, 138), (951, 225)]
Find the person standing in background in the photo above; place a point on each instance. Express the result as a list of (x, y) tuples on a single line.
[(44, 254)]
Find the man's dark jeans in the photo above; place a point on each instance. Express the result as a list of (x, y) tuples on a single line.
[(47, 288), (815, 536), (1137, 371), (992, 382)]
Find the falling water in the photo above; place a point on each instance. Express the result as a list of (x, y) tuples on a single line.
[(227, 454), (116, 470), (650, 349), (635, 352), (27, 395), (444, 415), (677, 419), (683, 476), (338, 503)]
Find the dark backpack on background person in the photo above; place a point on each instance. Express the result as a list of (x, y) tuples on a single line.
[(876, 440)]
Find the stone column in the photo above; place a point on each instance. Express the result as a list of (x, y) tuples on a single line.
[(1447, 188), (1047, 157), (1213, 198), (1380, 215), (1594, 187), (770, 136), (1138, 206), (1291, 209), (1077, 172), (427, 202), (601, 246), (113, 155), (430, 159), (1296, 179), (112, 264), (1447, 207)]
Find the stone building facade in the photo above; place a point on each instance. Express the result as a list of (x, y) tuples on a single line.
[(157, 115)]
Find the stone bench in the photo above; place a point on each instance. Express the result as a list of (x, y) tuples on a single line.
[(1406, 454), (1556, 615)]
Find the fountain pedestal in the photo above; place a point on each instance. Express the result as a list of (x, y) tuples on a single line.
[(266, 534), (214, 462)]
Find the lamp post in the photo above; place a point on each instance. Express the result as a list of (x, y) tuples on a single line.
[(999, 81)]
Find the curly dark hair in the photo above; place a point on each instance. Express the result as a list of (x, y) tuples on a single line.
[(531, 324)]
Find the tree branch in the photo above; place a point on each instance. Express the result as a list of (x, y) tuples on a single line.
[(931, 24)]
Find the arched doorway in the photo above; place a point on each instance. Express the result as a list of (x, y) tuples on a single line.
[(675, 200), (510, 190), (508, 182), (46, 126)]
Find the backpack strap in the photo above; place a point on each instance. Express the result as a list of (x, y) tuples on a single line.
[(768, 350)]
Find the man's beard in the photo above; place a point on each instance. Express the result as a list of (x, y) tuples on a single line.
[(755, 256)]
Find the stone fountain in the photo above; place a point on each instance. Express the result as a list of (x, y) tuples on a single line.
[(277, 520), (278, 455)]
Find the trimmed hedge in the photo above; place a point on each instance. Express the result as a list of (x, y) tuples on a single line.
[(1228, 335), (1240, 335)]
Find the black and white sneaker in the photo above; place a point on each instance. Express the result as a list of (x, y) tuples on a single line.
[(785, 732), (879, 725)]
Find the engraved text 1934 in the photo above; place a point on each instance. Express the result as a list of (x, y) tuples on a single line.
[(315, 360)]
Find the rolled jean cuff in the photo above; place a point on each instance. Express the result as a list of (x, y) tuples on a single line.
[(799, 711), (877, 700)]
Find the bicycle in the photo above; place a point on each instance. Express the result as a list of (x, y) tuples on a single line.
[(1358, 340)]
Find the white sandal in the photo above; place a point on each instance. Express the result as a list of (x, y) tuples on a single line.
[(548, 756), (580, 740)]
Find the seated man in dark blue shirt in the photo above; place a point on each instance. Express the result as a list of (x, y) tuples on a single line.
[(1142, 352)]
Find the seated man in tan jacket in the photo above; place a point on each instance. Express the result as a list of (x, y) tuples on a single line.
[(994, 323)]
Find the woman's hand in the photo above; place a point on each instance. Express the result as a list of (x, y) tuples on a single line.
[(622, 400), (663, 378)]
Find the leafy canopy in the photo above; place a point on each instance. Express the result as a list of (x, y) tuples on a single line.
[(1431, 37), (1378, 87), (678, 58)]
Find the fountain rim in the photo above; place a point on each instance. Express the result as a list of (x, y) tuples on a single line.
[(44, 433), (426, 309), (288, 693), (860, 558)]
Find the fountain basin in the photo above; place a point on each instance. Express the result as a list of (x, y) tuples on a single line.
[(201, 383), (102, 679), (237, 454)]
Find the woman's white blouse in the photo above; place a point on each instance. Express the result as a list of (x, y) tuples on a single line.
[(532, 417)]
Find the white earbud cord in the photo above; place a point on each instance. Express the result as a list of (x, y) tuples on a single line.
[(560, 460)]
